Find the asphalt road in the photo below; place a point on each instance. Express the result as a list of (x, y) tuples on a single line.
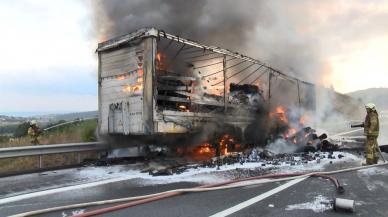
[(367, 187)]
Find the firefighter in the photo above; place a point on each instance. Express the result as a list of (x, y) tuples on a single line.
[(371, 131), (34, 132)]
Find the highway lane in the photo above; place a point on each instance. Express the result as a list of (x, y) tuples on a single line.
[(369, 188)]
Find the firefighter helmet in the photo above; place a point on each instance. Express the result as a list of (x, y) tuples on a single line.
[(370, 106)]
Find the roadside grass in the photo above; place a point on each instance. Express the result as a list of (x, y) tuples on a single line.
[(84, 131)]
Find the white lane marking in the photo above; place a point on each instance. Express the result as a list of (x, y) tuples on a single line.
[(256, 199), (59, 190)]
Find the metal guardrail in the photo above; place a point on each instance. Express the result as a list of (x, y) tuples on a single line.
[(39, 150)]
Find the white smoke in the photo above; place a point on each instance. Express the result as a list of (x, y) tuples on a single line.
[(281, 146)]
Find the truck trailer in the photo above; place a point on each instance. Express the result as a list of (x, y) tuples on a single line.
[(159, 88)]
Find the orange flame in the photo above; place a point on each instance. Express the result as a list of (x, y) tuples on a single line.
[(132, 88), (302, 120), (280, 112), (183, 108), (205, 148), (290, 133), (225, 140), (158, 56), (121, 77), (206, 151), (140, 72), (203, 152), (159, 61)]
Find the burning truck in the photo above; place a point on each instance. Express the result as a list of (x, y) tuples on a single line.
[(156, 88)]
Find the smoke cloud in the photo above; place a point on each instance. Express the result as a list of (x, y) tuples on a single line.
[(251, 27), (296, 37), (303, 37)]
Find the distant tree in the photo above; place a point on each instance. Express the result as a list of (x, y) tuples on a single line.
[(61, 122), (21, 130), (89, 131), (8, 129)]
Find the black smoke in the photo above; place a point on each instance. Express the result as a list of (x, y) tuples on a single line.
[(251, 27), (214, 22)]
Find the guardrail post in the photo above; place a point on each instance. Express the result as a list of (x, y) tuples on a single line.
[(40, 162), (79, 157)]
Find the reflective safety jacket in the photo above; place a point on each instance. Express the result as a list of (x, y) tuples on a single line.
[(371, 124), (34, 131)]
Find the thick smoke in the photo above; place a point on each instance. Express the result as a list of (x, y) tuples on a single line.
[(251, 27), (281, 146), (278, 33)]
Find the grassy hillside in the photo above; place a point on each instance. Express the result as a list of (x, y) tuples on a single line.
[(8, 124), (76, 132), (378, 96), (71, 116)]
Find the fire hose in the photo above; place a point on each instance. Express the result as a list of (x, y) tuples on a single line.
[(137, 200), (171, 194)]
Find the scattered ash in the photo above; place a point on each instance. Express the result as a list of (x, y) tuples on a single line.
[(239, 173), (369, 177), (73, 213), (318, 205), (254, 164)]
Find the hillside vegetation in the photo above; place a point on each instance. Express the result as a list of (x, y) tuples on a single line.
[(76, 132), (83, 131)]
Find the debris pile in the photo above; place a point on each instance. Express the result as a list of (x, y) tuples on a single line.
[(289, 142), (288, 133), (304, 140), (264, 158)]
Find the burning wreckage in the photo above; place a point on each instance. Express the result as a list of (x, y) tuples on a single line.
[(160, 89)]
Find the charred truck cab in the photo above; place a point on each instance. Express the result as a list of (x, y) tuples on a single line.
[(158, 88)]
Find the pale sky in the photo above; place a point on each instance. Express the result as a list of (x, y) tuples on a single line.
[(354, 43), (47, 57), (48, 62), (363, 67)]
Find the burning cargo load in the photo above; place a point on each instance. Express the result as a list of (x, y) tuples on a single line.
[(158, 88), (246, 94), (289, 134)]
